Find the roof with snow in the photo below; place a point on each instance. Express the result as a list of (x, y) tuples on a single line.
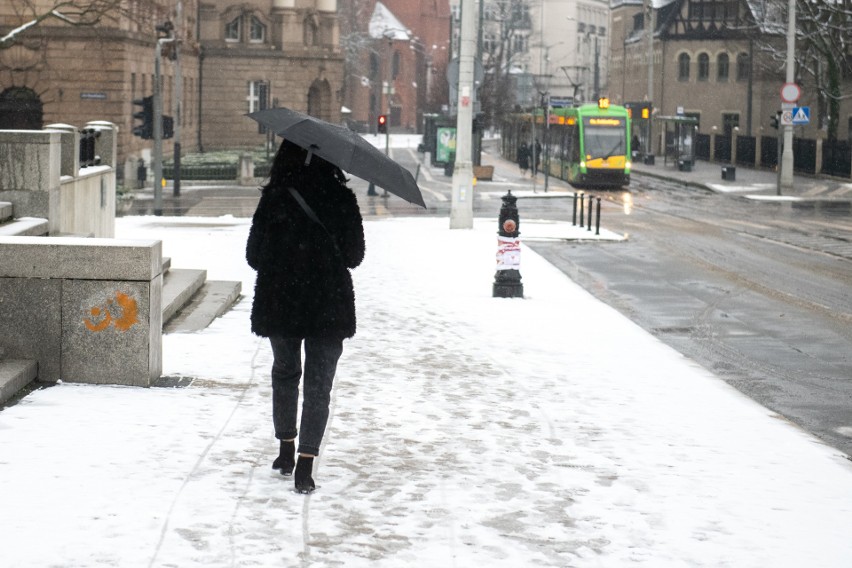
[(384, 24)]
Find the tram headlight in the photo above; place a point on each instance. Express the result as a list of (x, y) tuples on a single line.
[(627, 166), (583, 165)]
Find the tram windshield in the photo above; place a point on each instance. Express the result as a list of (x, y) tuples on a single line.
[(604, 137)]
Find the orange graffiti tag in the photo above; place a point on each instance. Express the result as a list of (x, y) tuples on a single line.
[(121, 311)]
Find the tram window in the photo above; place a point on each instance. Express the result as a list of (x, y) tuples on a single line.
[(603, 142)]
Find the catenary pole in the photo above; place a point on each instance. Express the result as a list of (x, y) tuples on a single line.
[(650, 24), (157, 157), (787, 154), (461, 211), (178, 102)]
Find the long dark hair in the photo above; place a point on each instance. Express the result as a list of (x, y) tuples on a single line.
[(289, 168)]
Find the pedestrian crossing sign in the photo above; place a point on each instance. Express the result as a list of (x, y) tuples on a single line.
[(801, 115)]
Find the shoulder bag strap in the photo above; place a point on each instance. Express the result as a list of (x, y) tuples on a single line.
[(311, 215)]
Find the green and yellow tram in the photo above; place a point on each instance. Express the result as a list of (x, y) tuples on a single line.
[(588, 146)]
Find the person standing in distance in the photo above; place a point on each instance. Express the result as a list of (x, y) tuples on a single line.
[(306, 235)]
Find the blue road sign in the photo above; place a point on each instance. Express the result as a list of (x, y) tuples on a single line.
[(801, 115)]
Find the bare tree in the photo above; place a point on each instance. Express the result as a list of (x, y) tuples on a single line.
[(33, 14), (505, 28), (823, 50)]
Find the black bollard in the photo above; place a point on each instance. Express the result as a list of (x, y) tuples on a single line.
[(574, 217), (582, 197), (589, 224), (598, 219), (507, 280), (371, 189)]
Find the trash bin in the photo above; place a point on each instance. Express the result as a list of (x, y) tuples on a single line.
[(729, 173), (684, 165), (649, 159)]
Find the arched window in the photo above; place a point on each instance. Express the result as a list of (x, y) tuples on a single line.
[(232, 29), (743, 67), (374, 66), (703, 66), (723, 65), (683, 67), (396, 63), (258, 30), (20, 109)]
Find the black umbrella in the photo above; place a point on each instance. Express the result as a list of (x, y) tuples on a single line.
[(345, 149)]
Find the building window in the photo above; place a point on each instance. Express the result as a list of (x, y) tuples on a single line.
[(703, 67), (683, 67), (723, 65), (232, 29), (311, 31), (520, 44), (743, 67), (601, 30), (258, 30), (374, 66), (489, 42), (258, 95)]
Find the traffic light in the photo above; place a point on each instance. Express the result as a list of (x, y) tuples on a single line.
[(145, 128), (383, 124), (775, 120), (646, 112), (168, 127)]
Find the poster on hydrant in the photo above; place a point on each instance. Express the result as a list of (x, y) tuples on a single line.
[(508, 253)]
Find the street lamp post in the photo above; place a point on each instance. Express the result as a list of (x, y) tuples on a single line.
[(650, 23)]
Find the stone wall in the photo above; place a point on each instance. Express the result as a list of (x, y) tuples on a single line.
[(88, 310), (41, 176)]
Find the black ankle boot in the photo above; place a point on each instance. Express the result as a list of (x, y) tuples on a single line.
[(286, 458), (304, 481)]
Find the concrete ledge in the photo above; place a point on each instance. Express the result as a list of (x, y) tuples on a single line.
[(15, 374), (211, 301), (80, 258), (179, 285), (24, 227), (5, 211)]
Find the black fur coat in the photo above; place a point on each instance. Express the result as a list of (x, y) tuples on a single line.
[(303, 286)]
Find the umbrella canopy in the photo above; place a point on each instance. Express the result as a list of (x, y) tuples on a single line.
[(345, 149)]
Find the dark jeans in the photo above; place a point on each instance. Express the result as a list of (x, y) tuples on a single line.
[(321, 355)]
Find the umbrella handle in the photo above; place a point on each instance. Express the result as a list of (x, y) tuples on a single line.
[(310, 154)]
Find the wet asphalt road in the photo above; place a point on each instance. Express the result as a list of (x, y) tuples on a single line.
[(758, 292)]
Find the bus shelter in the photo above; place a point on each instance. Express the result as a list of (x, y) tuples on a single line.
[(679, 135)]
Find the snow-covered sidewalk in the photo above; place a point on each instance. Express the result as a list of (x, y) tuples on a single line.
[(465, 431)]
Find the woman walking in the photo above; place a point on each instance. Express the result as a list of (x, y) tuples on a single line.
[(306, 235)]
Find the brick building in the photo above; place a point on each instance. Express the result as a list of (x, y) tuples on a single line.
[(235, 57), (403, 43), (260, 54), (707, 61)]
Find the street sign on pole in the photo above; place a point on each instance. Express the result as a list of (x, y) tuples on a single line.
[(790, 92), (801, 115)]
